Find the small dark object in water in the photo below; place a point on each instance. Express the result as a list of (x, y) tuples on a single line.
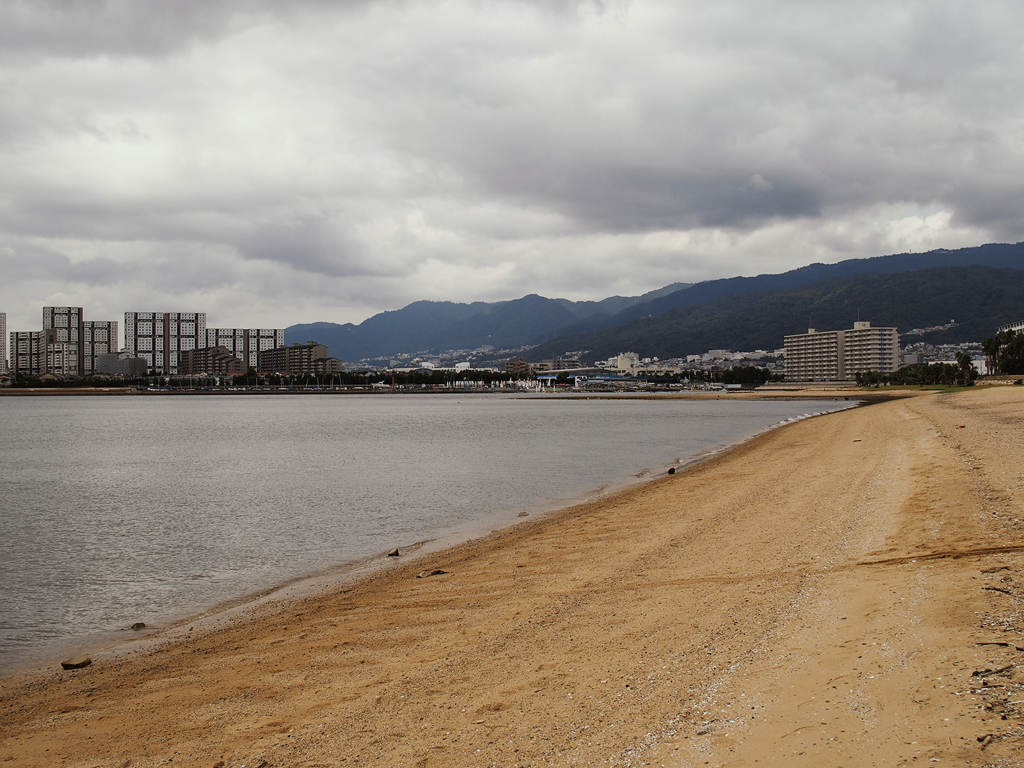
[(139, 625), (671, 470), (394, 553)]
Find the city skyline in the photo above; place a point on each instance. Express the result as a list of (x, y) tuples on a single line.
[(69, 344)]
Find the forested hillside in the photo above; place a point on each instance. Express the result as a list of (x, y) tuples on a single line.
[(979, 299)]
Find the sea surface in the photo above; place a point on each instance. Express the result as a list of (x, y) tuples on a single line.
[(154, 509)]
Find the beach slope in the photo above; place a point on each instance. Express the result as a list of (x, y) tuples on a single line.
[(843, 591)]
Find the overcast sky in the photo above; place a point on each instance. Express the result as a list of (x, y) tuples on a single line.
[(272, 163)]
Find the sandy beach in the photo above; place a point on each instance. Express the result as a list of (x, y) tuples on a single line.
[(842, 591)]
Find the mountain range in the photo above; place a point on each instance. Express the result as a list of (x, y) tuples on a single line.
[(979, 288)]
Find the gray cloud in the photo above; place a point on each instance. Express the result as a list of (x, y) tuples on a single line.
[(143, 28), (326, 160)]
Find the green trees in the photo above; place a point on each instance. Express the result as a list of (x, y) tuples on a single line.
[(746, 374), (1005, 352), (962, 374), (968, 373)]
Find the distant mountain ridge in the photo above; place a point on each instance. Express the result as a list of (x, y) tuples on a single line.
[(978, 298), (426, 326), (433, 326)]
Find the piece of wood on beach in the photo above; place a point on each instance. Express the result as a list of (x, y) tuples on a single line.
[(76, 663), (428, 574), (989, 672)]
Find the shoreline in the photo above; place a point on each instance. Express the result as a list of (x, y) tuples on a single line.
[(828, 594), (794, 392), (107, 644)]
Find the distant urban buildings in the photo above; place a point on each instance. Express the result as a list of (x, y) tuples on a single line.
[(37, 353), (246, 344), (68, 345), (841, 355), (64, 344), (160, 337), (121, 364), (85, 339), (308, 358), (520, 368), (154, 343), (219, 361), (163, 338), (99, 337)]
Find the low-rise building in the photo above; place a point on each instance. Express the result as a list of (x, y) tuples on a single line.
[(559, 364), (210, 361), (627, 361), (299, 358), (121, 364), (519, 368)]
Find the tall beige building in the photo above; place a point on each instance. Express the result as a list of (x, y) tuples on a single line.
[(841, 355), (3, 342)]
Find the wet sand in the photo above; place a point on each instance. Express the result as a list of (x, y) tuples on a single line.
[(828, 594)]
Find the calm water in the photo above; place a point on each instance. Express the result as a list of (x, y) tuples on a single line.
[(122, 509)]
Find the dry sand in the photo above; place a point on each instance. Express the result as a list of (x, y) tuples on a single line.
[(844, 591)]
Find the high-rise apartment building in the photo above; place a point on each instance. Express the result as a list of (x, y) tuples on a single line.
[(99, 337), (841, 355), (86, 339), (66, 323), (3, 342), (24, 359), (35, 353), (245, 343), (159, 337)]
